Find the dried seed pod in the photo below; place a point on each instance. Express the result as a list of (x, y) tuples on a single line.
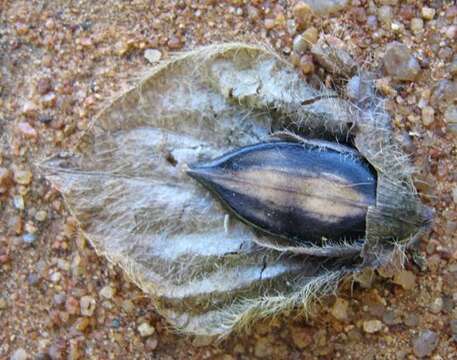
[(126, 185), (307, 192)]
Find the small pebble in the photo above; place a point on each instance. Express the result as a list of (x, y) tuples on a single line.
[(82, 324), (41, 216), (399, 63), (425, 343), (72, 305), (451, 33), (174, 43), (307, 64), (145, 329), (454, 194), (427, 13), (57, 350), (372, 22), (19, 354), (63, 265), (49, 100), (453, 325), (59, 299), (428, 115), (3, 304), (365, 278), (450, 116), (55, 277), (87, 305), (452, 67), (397, 27), (116, 323), (86, 24), (16, 225), (448, 305), (27, 130), (407, 11), (445, 53), (385, 15), (29, 109), (18, 202), (310, 36), (44, 86), (391, 317), (330, 54), (5, 179), (359, 14), (152, 55), (128, 306), (291, 26), (269, 24), (23, 177), (340, 309), (444, 93), (44, 118), (152, 343), (302, 12), (417, 25), (372, 326), (411, 320), (29, 239), (437, 305), (107, 292), (263, 348), (299, 44), (451, 12), (301, 337), (406, 279)]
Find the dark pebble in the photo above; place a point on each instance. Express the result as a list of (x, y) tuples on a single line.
[(453, 324), (33, 279), (44, 118), (448, 304), (86, 24), (116, 323)]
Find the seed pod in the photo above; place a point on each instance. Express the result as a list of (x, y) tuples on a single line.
[(127, 186), (307, 192)]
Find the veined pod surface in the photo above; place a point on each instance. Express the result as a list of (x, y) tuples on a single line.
[(307, 192), (126, 184)]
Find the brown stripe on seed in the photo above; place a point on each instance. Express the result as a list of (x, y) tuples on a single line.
[(323, 198)]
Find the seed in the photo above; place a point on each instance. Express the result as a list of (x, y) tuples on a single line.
[(306, 192)]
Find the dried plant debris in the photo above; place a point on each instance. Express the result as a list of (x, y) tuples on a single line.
[(128, 187)]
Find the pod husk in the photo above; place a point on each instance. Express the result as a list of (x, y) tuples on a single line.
[(126, 185)]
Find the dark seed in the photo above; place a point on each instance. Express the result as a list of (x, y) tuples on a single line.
[(307, 192)]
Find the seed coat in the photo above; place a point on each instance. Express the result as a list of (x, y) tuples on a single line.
[(305, 192)]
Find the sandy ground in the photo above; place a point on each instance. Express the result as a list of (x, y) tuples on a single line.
[(61, 62)]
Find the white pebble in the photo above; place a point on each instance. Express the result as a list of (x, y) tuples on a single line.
[(152, 55), (145, 329)]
